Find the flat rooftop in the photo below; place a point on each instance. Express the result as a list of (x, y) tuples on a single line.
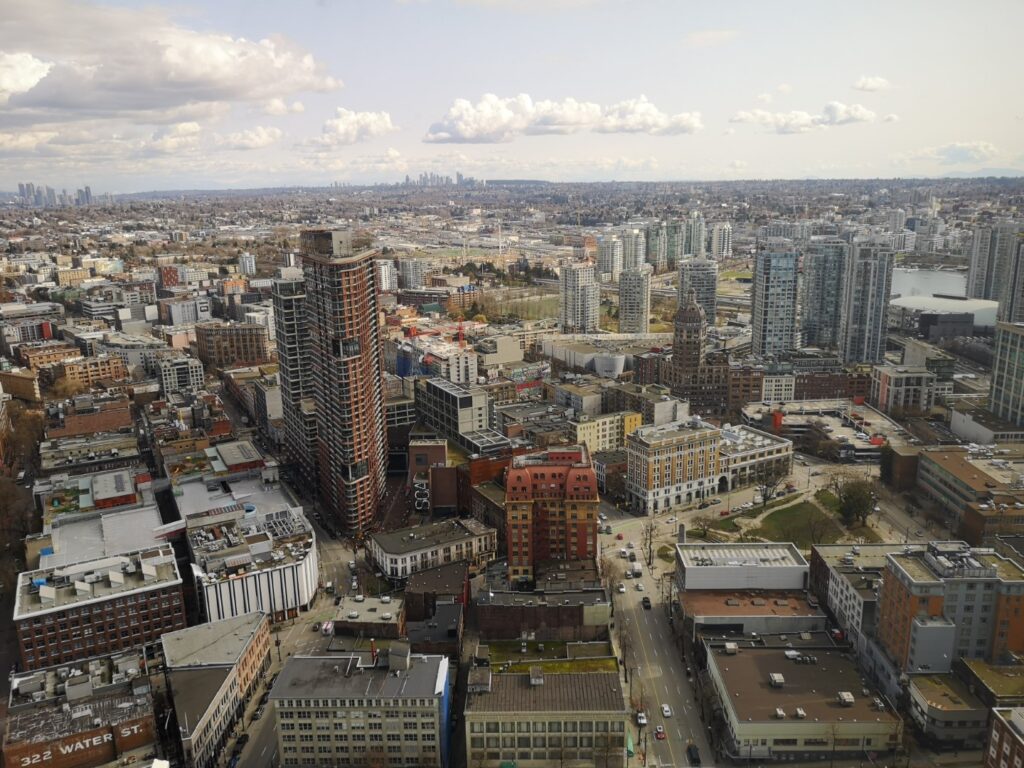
[(941, 560), (540, 600), (947, 693), (447, 579), (738, 555), (90, 537), (979, 471), (370, 610), (742, 439), (193, 691), (337, 677), (843, 420), (814, 688), (698, 603), (1004, 680), (419, 537), (676, 430), (218, 642), (573, 692), (94, 581)]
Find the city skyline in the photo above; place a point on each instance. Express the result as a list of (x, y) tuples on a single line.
[(166, 97)]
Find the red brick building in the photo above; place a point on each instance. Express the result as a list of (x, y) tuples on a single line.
[(551, 506)]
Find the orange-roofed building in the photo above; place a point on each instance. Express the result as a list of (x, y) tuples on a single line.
[(551, 507)]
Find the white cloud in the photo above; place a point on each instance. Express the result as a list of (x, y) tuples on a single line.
[(764, 98), (494, 120), (25, 140), (784, 88), (708, 38), (891, 118), (798, 121), (348, 127), (136, 63), (174, 138), (737, 165), (20, 72), (277, 106), (956, 153), (259, 137), (869, 83)]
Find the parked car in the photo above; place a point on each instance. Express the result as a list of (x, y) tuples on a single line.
[(646, 602), (316, 626), (666, 710), (621, 588), (693, 754), (659, 733), (243, 740), (619, 536), (704, 505), (715, 501), (257, 714), (641, 718), (639, 586)]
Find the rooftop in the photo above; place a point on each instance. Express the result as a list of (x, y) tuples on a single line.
[(1004, 680), (62, 701), (54, 589), (946, 692), (981, 471), (814, 688), (737, 555), (340, 677), (448, 579), (955, 560), (699, 603), (370, 610), (89, 537), (193, 691), (219, 642), (743, 439), (574, 692), (419, 537), (673, 431)]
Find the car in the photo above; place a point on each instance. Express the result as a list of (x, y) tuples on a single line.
[(639, 586), (243, 740), (632, 557), (715, 502), (670, 520), (724, 513), (619, 536), (607, 529), (666, 710), (693, 754), (352, 565), (646, 602), (641, 718), (621, 588), (704, 505), (257, 714), (316, 626), (630, 545), (265, 698), (602, 516), (337, 600), (659, 733)]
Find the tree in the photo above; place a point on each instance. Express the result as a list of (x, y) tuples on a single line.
[(702, 523), (856, 500), (768, 478), (886, 459), (647, 534), (26, 432), (65, 388)]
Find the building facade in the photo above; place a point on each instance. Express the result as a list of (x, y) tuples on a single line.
[(902, 389), (605, 432), (580, 298), (774, 301), (635, 300), (671, 465), (821, 292), (228, 345), (864, 307), (609, 258), (401, 553), (1006, 399), (701, 277), (551, 506), (347, 371), (179, 374)]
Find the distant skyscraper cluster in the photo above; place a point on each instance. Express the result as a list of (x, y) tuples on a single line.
[(437, 180), (42, 196)]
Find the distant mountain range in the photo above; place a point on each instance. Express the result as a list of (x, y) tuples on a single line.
[(984, 173)]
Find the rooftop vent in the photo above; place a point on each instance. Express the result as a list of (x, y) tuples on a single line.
[(776, 679), (845, 698)]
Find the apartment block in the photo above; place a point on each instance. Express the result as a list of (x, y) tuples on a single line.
[(99, 606), (459, 413), (1007, 395), (227, 345), (899, 389), (551, 506), (406, 551), (391, 710), (605, 432), (180, 374), (86, 371), (1005, 747)]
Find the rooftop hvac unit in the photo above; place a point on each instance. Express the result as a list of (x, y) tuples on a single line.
[(845, 698), (776, 679), (731, 649), (800, 714), (780, 713)]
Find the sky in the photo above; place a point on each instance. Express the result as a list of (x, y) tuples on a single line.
[(128, 96)]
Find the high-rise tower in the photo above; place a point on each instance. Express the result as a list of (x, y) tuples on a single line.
[(635, 300), (609, 258), (580, 298), (863, 310), (701, 277), (347, 370), (721, 241), (820, 292), (773, 318), (696, 236)]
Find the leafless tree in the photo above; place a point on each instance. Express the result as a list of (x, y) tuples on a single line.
[(768, 478), (647, 534), (702, 523)]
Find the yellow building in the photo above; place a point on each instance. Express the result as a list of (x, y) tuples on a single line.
[(606, 432), (72, 277), (672, 465)]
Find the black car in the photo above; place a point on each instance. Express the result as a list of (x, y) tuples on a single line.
[(244, 739), (646, 602), (632, 557), (693, 754)]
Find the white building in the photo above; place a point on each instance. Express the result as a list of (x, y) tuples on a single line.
[(412, 272), (580, 298), (635, 300), (263, 315), (700, 276), (737, 567), (401, 553), (721, 241), (634, 248), (387, 275), (778, 387), (180, 373), (695, 243), (609, 258), (247, 264)]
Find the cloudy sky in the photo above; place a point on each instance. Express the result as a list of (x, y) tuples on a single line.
[(129, 96)]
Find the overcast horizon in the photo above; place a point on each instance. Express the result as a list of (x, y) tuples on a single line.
[(129, 98)]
